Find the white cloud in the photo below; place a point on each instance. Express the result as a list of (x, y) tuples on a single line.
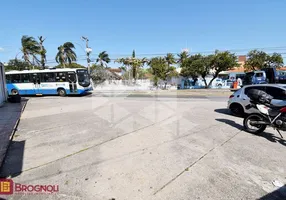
[(1, 49)]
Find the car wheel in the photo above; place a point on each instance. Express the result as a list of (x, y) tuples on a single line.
[(237, 109), (61, 92)]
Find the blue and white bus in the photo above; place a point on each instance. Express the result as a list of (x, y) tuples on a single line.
[(48, 82)]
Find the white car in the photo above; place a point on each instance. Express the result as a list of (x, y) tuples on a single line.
[(219, 83), (239, 100)]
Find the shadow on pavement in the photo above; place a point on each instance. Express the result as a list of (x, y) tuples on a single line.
[(55, 95), (13, 162), (269, 136), (10, 114), (279, 194), (226, 112), (87, 94), (231, 123)]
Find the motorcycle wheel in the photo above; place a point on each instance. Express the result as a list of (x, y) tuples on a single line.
[(254, 129)]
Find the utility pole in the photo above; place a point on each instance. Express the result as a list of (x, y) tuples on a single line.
[(88, 51)]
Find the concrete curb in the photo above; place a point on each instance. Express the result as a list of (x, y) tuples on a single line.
[(12, 135)]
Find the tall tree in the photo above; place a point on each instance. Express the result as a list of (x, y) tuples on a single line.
[(66, 54), (256, 60), (30, 48), (189, 68), (135, 64), (42, 52), (170, 59), (133, 54), (103, 59), (160, 69), (275, 60), (259, 59), (183, 56), (222, 61), (197, 65), (132, 65)]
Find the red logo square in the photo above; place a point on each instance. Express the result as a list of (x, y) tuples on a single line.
[(6, 186)]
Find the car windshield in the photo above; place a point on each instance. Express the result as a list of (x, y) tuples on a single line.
[(83, 77), (259, 74)]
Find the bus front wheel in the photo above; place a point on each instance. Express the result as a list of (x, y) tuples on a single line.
[(14, 92), (61, 92)]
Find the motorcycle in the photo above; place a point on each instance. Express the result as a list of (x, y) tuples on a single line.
[(269, 114)]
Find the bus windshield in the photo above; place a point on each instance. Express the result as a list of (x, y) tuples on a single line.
[(83, 77)]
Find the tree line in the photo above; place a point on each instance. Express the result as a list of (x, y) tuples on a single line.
[(198, 65), (159, 68)]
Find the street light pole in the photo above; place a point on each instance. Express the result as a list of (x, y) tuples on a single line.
[(88, 51)]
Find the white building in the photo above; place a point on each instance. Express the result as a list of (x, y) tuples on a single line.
[(3, 92)]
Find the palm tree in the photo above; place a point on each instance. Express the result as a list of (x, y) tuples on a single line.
[(136, 64), (182, 57), (103, 59), (30, 48), (42, 52), (170, 59), (66, 54)]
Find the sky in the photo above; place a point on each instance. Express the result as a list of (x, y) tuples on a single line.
[(149, 27)]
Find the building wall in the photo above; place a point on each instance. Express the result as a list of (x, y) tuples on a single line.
[(3, 93)]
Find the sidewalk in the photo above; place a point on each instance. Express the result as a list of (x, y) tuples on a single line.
[(10, 114), (187, 92)]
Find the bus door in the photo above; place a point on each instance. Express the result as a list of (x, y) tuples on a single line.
[(36, 80), (72, 82)]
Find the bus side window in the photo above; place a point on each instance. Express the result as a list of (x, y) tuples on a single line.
[(25, 78), (60, 77), (8, 79), (48, 77), (15, 78)]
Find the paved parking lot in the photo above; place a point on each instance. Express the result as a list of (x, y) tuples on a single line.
[(105, 146)]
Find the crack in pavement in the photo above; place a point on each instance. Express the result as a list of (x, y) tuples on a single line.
[(199, 159)]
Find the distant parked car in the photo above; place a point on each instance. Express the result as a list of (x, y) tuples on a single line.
[(255, 77), (239, 99), (219, 82), (265, 75)]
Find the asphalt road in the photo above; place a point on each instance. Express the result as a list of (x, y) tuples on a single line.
[(122, 147)]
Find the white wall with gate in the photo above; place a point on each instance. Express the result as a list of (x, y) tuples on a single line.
[(3, 92)]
